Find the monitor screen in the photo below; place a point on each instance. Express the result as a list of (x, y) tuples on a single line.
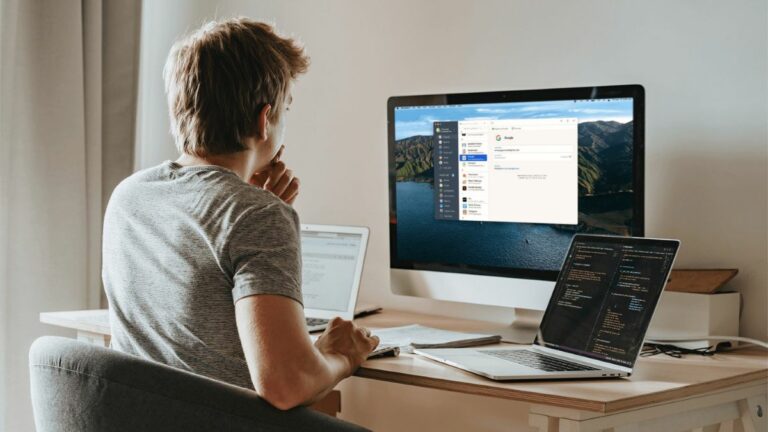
[(605, 296), (328, 271), (498, 183)]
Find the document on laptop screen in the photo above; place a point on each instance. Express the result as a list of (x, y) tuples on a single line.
[(329, 261)]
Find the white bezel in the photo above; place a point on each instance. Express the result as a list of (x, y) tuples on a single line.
[(349, 313)]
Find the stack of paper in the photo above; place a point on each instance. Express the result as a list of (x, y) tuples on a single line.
[(417, 336)]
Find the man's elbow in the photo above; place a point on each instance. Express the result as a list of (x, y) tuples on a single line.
[(281, 394)]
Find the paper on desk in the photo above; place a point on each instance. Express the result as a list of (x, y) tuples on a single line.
[(418, 336)]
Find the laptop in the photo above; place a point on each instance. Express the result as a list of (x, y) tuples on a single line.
[(594, 325), (332, 264)]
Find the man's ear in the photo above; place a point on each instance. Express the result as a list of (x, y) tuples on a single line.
[(263, 121)]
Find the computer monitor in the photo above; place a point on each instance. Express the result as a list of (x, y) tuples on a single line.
[(486, 190)]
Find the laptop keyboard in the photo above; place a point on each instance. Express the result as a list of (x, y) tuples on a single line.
[(311, 322), (538, 361)]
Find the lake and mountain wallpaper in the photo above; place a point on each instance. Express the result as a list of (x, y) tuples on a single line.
[(606, 196)]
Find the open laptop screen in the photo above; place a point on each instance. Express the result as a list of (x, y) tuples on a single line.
[(605, 296), (329, 264)]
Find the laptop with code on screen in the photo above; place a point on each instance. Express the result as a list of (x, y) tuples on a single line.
[(597, 317)]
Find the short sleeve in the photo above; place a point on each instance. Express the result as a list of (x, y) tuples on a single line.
[(265, 253)]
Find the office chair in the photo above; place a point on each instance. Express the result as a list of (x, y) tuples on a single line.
[(82, 387)]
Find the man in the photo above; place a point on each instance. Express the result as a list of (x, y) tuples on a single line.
[(201, 256)]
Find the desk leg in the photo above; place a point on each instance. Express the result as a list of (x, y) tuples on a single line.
[(710, 428), (711, 412), (753, 414), (94, 338), (543, 423), (330, 404)]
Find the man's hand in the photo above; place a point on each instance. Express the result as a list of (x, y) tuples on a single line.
[(349, 340), (278, 179)]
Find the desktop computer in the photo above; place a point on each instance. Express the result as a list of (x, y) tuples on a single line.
[(486, 190)]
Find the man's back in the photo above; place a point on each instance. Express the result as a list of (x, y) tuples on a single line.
[(201, 264), (181, 244)]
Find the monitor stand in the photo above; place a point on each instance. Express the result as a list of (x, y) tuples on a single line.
[(523, 328)]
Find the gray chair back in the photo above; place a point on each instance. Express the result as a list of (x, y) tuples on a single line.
[(82, 387)]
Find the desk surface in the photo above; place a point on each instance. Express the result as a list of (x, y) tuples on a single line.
[(655, 380)]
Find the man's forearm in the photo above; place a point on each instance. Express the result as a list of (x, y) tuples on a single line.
[(337, 368)]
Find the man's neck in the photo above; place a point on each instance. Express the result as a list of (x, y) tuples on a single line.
[(241, 163)]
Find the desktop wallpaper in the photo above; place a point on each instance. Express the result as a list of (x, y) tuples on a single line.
[(605, 187)]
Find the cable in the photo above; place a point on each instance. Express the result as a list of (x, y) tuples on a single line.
[(663, 340), (652, 349)]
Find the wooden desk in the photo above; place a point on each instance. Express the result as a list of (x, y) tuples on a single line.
[(725, 392), (92, 325)]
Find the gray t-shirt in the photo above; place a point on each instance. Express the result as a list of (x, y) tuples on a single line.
[(181, 245)]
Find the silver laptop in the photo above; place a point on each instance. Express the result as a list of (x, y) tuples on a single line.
[(596, 319), (332, 265)]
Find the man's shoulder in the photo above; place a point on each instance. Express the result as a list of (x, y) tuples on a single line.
[(216, 189), (230, 195), (248, 198), (142, 176)]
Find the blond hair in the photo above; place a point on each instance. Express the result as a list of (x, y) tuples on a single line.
[(220, 77)]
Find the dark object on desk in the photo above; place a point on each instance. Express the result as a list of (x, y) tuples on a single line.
[(82, 387), (366, 310), (700, 281), (385, 351), (674, 351)]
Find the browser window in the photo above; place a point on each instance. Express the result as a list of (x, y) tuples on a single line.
[(510, 170)]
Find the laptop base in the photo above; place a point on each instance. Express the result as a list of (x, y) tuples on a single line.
[(472, 360)]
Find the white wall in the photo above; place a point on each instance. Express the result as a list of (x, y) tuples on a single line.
[(703, 64)]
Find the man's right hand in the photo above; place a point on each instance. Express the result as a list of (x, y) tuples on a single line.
[(349, 340), (278, 179)]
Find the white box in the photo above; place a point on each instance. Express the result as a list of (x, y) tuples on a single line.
[(683, 315)]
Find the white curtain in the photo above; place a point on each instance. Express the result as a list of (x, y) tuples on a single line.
[(68, 80)]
